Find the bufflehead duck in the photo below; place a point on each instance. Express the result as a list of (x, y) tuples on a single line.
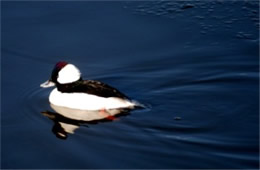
[(73, 92)]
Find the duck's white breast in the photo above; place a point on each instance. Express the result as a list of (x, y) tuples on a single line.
[(87, 101)]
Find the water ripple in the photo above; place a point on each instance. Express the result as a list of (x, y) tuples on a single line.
[(34, 100)]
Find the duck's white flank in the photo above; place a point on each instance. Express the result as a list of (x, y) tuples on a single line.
[(87, 101), (86, 115), (68, 74)]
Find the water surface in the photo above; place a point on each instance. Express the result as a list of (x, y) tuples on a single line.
[(195, 65)]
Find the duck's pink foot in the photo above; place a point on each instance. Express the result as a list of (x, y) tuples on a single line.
[(110, 117), (106, 115)]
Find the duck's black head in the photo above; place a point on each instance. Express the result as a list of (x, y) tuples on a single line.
[(63, 73)]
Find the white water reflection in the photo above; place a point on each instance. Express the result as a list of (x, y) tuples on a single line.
[(67, 121)]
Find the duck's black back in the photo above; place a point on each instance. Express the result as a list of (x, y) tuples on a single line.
[(91, 87)]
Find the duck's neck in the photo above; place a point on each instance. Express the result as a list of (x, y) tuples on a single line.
[(68, 87)]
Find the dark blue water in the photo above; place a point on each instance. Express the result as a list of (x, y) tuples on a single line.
[(195, 65)]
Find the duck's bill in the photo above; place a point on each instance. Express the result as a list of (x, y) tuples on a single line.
[(47, 84)]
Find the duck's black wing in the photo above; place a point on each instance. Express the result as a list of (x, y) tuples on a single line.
[(92, 87)]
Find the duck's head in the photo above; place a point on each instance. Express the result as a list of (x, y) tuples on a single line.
[(62, 73)]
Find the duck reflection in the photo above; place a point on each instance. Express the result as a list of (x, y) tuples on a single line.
[(67, 120)]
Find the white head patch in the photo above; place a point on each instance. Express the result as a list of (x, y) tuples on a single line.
[(68, 74)]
